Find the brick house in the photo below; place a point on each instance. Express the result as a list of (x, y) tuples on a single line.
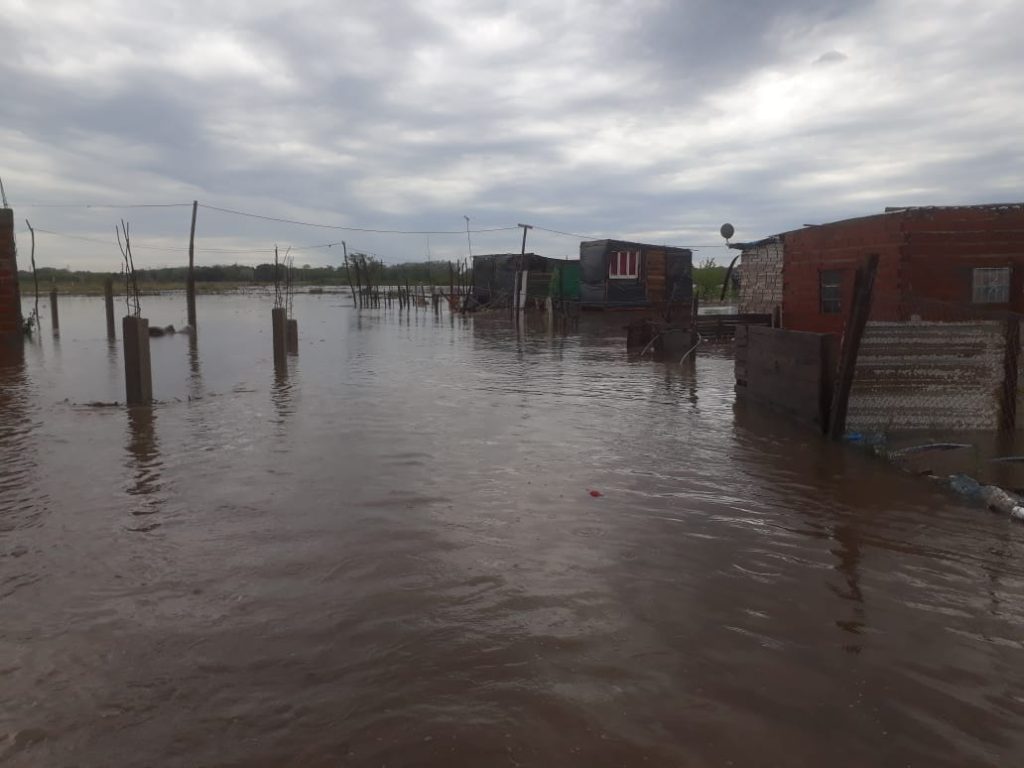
[(931, 261)]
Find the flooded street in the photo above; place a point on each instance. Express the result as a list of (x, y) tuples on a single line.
[(390, 556)]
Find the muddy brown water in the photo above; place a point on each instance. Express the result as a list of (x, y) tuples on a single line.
[(390, 556)]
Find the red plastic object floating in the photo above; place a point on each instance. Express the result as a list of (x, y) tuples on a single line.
[(596, 494)]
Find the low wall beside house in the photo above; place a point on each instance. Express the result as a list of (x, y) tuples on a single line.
[(10, 294), (930, 375), (790, 371)]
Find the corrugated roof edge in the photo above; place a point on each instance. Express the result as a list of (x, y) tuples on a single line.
[(978, 206), (638, 245), (891, 209), (756, 243)]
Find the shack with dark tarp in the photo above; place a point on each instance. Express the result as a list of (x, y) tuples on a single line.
[(615, 274), (494, 278)]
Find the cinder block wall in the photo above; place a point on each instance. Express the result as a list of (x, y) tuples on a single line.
[(10, 295), (761, 279)]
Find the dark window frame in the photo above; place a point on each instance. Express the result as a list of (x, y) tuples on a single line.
[(990, 291), (830, 291)]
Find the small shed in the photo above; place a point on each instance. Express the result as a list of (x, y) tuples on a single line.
[(616, 274), (494, 277)]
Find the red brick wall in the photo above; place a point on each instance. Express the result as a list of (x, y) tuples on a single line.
[(841, 245), (10, 296), (944, 245), (925, 260)]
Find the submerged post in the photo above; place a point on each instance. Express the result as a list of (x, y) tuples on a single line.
[(54, 314), (293, 337), (108, 300), (138, 376), (278, 318), (190, 284)]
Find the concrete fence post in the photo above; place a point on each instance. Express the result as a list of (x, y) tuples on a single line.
[(54, 314), (293, 337), (138, 376), (279, 321), (108, 300)]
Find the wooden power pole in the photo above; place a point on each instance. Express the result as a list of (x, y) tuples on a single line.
[(190, 283)]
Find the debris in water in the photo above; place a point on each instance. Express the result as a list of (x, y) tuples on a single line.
[(595, 494), (929, 447), (995, 498)]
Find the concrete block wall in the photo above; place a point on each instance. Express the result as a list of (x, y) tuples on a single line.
[(10, 294), (928, 375), (761, 278)]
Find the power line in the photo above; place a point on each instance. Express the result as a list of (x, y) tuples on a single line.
[(173, 249), (351, 229), (596, 237), (568, 234), (104, 205), (296, 222)]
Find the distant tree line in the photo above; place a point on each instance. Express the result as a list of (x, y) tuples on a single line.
[(707, 277), (412, 273)]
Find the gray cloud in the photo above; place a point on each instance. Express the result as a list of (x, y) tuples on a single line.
[(641, 118), (831, 57)]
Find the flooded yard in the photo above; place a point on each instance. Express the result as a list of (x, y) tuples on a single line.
[(390, 555)]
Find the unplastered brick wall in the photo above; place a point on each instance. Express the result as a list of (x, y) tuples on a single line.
[(10, 296), (761, 278), (928, 375)]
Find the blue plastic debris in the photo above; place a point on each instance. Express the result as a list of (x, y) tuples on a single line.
[(965, 485)]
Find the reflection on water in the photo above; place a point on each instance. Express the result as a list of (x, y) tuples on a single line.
[(281, 393), (17, 454), (848, 553), (392, 556), (195, 389), (143, 452)]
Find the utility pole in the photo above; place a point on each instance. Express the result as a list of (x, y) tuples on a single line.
[(517, 289), (190, 284), (348, 273), (35, 277)]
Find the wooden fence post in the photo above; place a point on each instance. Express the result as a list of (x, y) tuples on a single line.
[(853, 329), (1011, 357)]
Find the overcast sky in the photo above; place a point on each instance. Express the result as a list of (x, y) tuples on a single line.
[(644, 119)]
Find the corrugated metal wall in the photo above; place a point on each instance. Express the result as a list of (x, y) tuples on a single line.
[(928, 376)]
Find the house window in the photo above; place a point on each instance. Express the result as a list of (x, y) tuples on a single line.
[(990, 285), (831, 288), (624, 265)]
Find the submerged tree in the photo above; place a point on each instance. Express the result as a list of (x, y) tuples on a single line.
[(131, 282)]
